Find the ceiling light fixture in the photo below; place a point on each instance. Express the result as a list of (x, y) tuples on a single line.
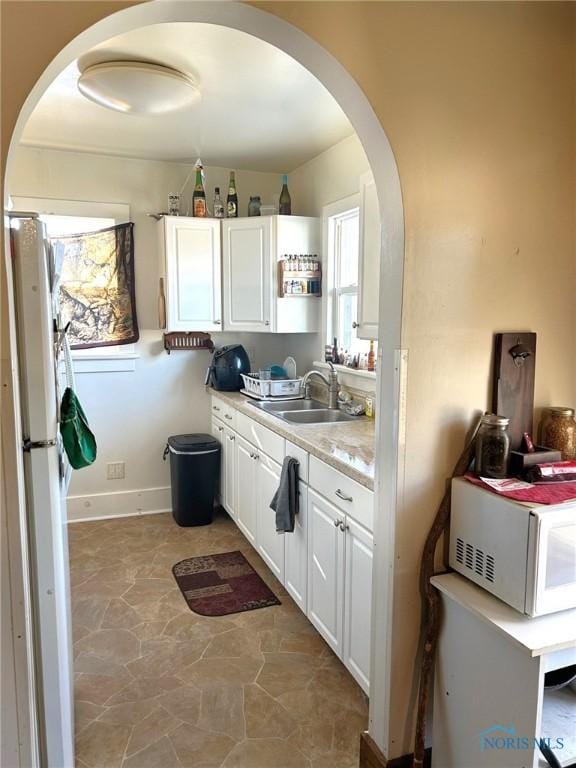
[(138, 87)]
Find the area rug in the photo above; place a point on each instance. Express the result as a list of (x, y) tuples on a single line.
[(215, 585)]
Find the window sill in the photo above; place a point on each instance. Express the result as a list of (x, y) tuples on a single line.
[(104, 362), (89, 355), (348, 371)]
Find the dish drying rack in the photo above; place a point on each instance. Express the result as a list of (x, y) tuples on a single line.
[(272, 389)]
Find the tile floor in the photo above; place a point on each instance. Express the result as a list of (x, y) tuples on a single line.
[(159, 686)]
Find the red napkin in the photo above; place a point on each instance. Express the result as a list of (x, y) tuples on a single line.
[(548, 493)]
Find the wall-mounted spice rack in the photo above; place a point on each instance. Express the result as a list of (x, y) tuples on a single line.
[(299, 275)]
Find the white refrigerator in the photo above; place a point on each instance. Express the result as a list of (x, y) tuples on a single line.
[(41, 351)]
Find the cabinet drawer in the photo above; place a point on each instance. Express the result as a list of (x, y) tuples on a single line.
[(345, 493), (263, 438), (301, 456), (224, 412)]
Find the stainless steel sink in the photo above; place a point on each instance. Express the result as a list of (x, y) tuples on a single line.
[(324, 416), (289, 405), (304, 412)]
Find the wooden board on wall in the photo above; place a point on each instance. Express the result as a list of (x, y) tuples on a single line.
[(513, 382)]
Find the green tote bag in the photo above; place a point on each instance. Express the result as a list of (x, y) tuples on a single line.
[(79, 442)]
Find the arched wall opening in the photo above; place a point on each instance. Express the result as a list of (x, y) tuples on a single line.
[(377, 148)]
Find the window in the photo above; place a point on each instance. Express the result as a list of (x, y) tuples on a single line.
[(342, 222), (70, 217)]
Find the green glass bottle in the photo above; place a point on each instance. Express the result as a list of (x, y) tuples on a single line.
[(285, 203), (199, 197)]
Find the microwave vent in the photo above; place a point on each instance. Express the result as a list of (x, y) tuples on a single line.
[(475, 559)]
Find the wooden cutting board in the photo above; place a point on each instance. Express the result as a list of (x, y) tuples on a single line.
[(513, 384)]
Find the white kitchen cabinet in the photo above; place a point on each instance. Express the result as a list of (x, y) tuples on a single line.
[(326, 569), (245, 484), (229, 467), (269, 544), (357, 601), (251, 250), (296, 555), (217, 431), (369, 263), (227, 490), (190, 272)]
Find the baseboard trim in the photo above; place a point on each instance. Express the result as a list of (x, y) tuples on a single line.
[(103, 506), (371, 756), (406, 760)]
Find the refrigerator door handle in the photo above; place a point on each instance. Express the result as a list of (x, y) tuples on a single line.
[(28, 445)]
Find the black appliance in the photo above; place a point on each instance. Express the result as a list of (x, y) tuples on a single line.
[(227, 365)]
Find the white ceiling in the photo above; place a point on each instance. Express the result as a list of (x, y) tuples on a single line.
[(260, 109)]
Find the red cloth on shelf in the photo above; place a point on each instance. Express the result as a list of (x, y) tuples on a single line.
[(542, 493)]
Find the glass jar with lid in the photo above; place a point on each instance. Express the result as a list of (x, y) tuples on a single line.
[(493, 447), (558, 431)]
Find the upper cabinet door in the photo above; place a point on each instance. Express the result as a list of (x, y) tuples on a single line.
[(369, 277), (192, 273), (247, 247)]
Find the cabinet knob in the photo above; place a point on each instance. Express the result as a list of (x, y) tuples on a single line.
[(215, 407), (355, 324), (231, 438), (217, 322), (344, 527), (266, 322), (337, 523), (220, 429), (227, 416), (342, 495)]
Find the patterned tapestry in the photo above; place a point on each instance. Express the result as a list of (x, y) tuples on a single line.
[(96, 286)]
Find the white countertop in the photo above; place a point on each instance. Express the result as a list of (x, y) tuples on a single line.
[(346, 446), (537, 636)]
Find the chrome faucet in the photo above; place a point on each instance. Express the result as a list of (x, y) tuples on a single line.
[(331, 382)]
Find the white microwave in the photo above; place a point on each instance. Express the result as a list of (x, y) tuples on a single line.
[(523, 553)]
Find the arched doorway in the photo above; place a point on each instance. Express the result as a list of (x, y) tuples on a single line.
[(375, 143)]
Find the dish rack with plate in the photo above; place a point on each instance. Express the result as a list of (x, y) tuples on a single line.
[(265, 389)]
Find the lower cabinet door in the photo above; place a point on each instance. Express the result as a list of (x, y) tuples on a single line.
[(326, 569), (245, 470), (229, 465), (269, 544), (218, 432), (358, 602), (296, 554)]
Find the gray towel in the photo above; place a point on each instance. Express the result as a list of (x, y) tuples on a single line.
[(286, 499)]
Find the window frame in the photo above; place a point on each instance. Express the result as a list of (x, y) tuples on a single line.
[(333, 291)]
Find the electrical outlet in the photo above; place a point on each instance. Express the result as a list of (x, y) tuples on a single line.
[(115, 470)]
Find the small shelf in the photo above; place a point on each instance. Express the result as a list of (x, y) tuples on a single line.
[(309, 280), (192, 340)]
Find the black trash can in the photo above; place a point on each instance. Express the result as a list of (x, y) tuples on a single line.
[(194, 474)]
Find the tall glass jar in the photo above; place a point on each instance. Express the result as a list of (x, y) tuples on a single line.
[(493, 447), (558, 431)]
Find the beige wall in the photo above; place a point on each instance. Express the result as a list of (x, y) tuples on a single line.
[(478, 102), (328, 177)]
